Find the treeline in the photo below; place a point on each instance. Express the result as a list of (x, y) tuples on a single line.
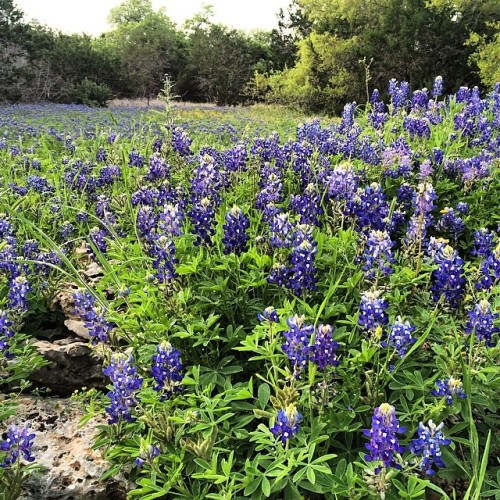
[(321, 54)]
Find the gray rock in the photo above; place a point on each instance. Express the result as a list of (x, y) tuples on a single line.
[(71, 468), (71, 367)]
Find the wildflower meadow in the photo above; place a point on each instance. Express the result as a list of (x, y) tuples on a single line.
[(282, 307)]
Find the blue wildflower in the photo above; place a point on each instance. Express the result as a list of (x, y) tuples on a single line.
[(428, 446), (296, 345), (323, 351), (235, 237), (167, 370), (287, 423), (448, 388), (18, 442), (481, 322), (384, 442), (123, 375), (399, 336)]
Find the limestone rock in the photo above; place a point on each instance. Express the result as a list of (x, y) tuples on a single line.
[(71, 367), (71, 469)]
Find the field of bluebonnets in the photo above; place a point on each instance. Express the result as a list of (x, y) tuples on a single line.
[(286, 310)]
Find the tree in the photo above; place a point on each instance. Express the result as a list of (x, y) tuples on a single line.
[(148, 45), (13, 53)]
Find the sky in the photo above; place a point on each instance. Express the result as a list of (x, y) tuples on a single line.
[(89, 16)]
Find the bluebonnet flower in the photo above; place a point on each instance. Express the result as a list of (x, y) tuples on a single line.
[(146, 222), (417, 126), (287, 423), (181, 142), (347, 120), (147, 455), (97, 238), (450, 223), (111, 137), (203, 217), (279, 274), (235, 237), (399, 336), (425, 170), (6, 333), (157, 144), (399, 94), (448, 279), (108, 175), (39, 184), (428, 446), (448, 388), (483, 243), (103, 210), (18, 294), (269, 314), (463, 207), (18, 442), (437, 88), (235, 159), (123, 375), (377, 257), (341, 182), (323, 351), (158, 169), (307, 205), (384, 442), (92, 316), (206, 181), (302, 277), (66, 230), (419, 99), (167, 370), (373, 316), (280, 231), (481, 322), (162, 249), (297, 346), (370, 208), (270, 194), (489, 270), (101, 155), (135, 159)]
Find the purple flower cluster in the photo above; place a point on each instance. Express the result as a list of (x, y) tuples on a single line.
[(384, 442), (373, 315), (147, 455), (399, 93), (92, 316), (269, 314), (167, 370), (202, 215), (370, 208), (399, 336), (307, 205), (377, 257), (181, 142), (18, 442), (6, 333), (481, 322), (341, 182), (302, 272), (235, 237), (448, 388), (323, 351), (296, 345), (287, 423), (18, 294), (450, 223), (448, 280), (428, 446), (123, 375)]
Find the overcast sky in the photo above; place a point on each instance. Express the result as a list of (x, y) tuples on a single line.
[(89, 16)]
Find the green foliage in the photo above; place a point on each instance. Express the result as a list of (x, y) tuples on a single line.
[(91, 93)]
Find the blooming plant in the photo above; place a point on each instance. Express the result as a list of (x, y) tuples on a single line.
[(282, 309)]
